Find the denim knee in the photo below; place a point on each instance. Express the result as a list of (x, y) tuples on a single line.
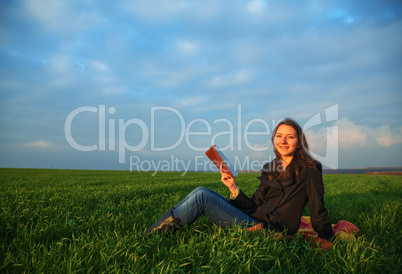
[(201, 188), (202, 191)]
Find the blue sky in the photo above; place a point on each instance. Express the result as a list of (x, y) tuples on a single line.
[(157, 82)]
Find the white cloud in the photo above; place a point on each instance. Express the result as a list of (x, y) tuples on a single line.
[(350, 134), (193, 101), (113, 90), (38, 144), (47, 11), (62, 16), (61, 64), (384, 136), (187, 47), (316, 141), (156, 11), (170, 79), (99, 66), (237, 78), (385, 141), (277, 58), (256, 5)]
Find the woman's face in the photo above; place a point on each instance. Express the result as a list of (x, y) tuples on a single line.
[(286, 140)]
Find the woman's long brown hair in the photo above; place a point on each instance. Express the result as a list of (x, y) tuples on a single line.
[(301, 158)]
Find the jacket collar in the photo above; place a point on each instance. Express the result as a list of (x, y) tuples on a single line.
[(278, 184), (274, 183)]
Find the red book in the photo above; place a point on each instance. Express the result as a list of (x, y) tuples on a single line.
[(217, 157)]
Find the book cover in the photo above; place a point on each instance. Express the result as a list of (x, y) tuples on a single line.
[(217, 157)]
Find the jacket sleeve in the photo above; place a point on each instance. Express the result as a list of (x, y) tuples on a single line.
[(249, 205), (315, 194), (246, 204)]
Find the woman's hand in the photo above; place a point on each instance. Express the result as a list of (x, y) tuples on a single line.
[(228, 180)]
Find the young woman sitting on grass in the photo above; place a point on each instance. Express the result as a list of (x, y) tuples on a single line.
[(292, 180)]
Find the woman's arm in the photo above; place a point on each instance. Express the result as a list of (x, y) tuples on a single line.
[(237, 197), (318, 213)]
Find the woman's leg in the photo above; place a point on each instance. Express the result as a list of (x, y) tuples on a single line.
[(192, 193), (215, 207)]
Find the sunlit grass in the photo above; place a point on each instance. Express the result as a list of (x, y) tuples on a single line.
[(89, 221)]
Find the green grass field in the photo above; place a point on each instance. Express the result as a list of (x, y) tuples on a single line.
[(88, 221)]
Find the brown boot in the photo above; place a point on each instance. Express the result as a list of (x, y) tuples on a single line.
[(165, 223)]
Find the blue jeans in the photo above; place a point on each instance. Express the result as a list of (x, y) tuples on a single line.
[(215, 207)]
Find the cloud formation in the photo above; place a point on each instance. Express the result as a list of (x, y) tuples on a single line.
[(204, 58)]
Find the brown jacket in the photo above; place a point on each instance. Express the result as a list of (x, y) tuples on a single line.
[(278, 204)]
